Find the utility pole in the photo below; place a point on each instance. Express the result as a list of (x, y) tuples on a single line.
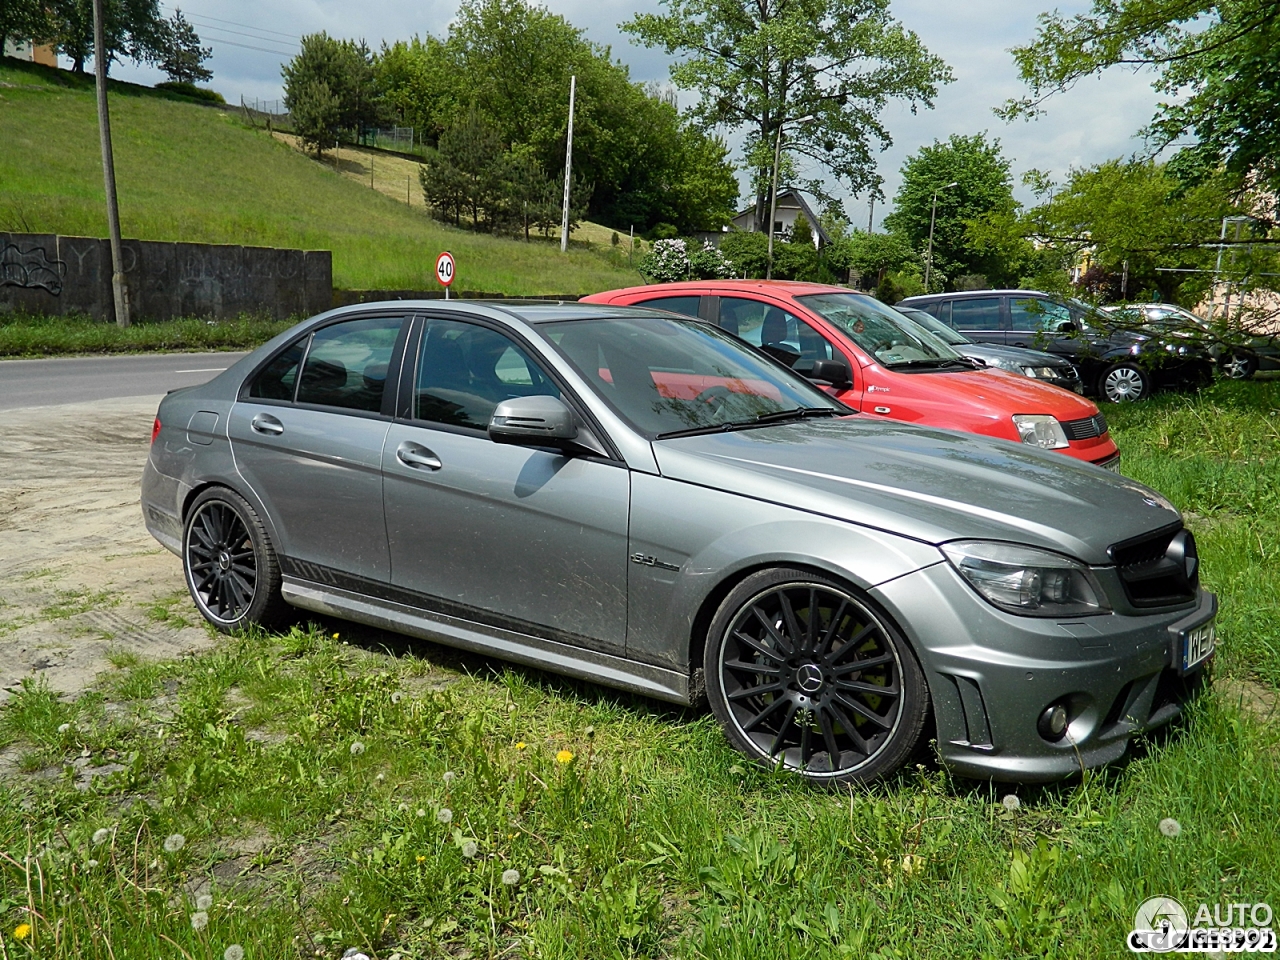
[(568, 169), (773, 199), (100, 57), (933, 219), (871, 216)]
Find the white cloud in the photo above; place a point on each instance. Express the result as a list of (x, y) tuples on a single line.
[(1097, 120)]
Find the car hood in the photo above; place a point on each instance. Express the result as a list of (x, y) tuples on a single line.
[(990, 394), (930, 485), (1022, 355)]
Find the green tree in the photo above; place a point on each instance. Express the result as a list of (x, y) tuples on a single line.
[(183, 58), (23, 20), (748, 251), (316, 114), (345, 67), (820, 72), (801, 232), (1215, 61), (873, 255), (983, 185), (133, 29)]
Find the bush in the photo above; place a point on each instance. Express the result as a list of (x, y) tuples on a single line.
[(709, 264), (898, 285), (191, 90), (667, 262), (748, 252)]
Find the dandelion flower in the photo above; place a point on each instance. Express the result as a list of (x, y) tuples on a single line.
[(421, 812), (1170, 827), (397, 697), (22, 931), (354, 954), (521, 745), (590, 732), (403, 808), (199, 921), (101, 836), (470, 848), (233, 952), (510, 877), (564, 756), (1011, 803), (174, 842), (357, 748), (335, 636), (204, 901), (64, 728), (449, 776), (92, 864), (421, 859), (444, 815), (380, 777)]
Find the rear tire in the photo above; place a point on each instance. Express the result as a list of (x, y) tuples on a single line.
[(230, 564), (1239, 366), (805, 674), (1124, 382)]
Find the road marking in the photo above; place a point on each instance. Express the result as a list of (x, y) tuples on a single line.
[(203, 370)]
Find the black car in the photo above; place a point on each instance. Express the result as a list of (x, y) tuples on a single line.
[(1114, 365), (1029, 363)]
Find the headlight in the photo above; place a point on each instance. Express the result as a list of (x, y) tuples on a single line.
[(1027, 580), (1040, 430), (1042, 373), (1004, 363)]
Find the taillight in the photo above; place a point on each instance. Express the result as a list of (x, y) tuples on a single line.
[(155, 430)]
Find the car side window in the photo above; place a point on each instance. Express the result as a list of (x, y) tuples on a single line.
[(465, 370), (777, 332), (1035, 314), (685, 305), (277, 380), (977, 314), (347, 362)]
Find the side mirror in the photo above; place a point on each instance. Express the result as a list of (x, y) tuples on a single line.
[(834, 372), (532, 421), (1067, 326)]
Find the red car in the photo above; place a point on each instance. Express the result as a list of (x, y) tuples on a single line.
[(882, 364)]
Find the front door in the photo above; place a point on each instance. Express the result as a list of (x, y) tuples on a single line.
[(526, 539), (310, 447)]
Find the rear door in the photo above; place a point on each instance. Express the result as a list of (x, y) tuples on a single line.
[(309, 445)]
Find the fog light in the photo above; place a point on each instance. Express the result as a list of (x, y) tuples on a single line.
[(1053, 722)]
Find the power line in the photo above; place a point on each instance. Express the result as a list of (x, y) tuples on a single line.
[(241, 33), (245, 46), (247, 26)]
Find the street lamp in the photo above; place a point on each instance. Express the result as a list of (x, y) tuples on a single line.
[(933, 219)]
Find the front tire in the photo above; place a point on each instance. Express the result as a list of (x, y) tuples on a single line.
[(804, 674), (230, 565), (1239, 366), (1124, 382)]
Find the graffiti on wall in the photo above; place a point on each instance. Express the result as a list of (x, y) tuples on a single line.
[(31, 269)]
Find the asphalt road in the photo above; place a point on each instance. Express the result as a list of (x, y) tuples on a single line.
[(38, 383)]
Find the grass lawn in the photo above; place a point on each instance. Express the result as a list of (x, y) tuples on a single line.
[(187, 172), (23, 335), (337, 787)]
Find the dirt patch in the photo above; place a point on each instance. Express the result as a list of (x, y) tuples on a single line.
[(1251, 697), (80, 576)]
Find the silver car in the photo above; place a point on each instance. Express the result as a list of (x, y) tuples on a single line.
[(644, 501)]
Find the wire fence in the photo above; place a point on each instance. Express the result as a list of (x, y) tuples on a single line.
[(389, 138)]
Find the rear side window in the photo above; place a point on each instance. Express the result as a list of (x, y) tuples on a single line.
[(977, 314), (347, 364), (278, 379), (1035, 313), (685, 305)]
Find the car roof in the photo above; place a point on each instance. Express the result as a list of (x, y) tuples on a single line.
[(530, 311), (782, 288), (970, 294)]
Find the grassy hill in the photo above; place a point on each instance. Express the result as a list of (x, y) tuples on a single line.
[(196, 173)]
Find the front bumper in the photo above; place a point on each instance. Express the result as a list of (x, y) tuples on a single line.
[(991, 674)]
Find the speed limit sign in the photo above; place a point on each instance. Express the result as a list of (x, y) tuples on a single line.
[(444, 269)]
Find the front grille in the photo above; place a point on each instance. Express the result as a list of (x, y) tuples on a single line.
[(1085, 429), (1159, 569)]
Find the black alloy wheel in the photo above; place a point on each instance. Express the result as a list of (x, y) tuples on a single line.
[(231, 570), (804, 675)]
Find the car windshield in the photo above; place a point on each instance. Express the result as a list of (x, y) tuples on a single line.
[(881, 331), (669, 377), (935, 326)]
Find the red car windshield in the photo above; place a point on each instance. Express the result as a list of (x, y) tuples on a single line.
[(881, 331)]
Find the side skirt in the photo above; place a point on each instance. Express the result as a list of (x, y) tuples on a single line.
[(601, 668)]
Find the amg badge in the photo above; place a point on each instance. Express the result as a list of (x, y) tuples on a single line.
[(646, 561)]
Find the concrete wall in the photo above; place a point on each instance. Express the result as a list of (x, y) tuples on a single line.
[(45, 273)]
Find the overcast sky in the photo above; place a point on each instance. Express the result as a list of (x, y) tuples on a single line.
[(1095, 121)]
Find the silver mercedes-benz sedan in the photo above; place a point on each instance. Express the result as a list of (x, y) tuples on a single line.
[(645, 501)]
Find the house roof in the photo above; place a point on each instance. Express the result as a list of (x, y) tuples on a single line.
[(796, 199)]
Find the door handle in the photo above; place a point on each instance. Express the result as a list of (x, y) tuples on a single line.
[(264, 423), (415, 455)]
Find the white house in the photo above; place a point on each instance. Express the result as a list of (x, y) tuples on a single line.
[(791, 204)]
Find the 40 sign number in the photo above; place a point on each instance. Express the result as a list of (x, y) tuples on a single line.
[(444, 268)]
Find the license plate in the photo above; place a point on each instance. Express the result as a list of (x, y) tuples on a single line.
[(1196, 645), (1113, 465)]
